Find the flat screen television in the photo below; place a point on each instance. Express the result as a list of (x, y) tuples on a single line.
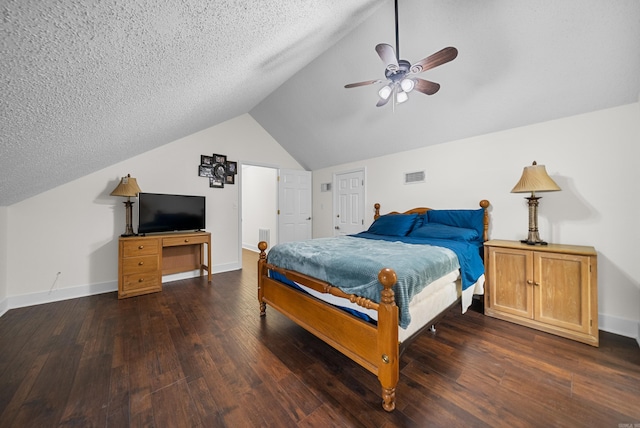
[(158, 212)]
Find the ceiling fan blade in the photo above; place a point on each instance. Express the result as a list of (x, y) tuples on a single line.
[(368, 82), (383, 101), (388, 56), (441, 57), (426, 87)]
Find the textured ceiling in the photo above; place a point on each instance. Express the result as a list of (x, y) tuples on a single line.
[(86, 84)]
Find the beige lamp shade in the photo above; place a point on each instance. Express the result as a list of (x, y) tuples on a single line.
[(128, 186), (535, 179)]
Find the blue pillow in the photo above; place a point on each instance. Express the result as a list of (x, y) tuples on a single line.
[(468, 219), (393, 224), (442, 231)]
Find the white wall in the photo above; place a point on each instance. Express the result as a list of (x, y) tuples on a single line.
[(74, 228), (593, 157), (4, 230), (259, 204)]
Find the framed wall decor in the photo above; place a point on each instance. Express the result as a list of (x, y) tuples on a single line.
[(219, 158), (230, 179), (205, 171), (216, 182), (220, 170), (206, 160), (232, 167)]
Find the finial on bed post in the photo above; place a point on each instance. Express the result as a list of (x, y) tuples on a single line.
[(262, 246), (376, 206)]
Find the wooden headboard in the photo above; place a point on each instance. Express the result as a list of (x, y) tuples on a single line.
[(484, 204)]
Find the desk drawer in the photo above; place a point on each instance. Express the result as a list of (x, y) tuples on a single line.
[(141, 283), (184, 240), (140, 264), (140, 247)]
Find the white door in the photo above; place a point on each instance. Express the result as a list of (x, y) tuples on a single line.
[(348, 203), (294, 205)]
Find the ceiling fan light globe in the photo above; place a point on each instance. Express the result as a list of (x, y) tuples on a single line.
[(384, 92), (407, 85), (401, 97)]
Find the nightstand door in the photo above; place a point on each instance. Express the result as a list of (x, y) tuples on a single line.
[(561, 291), (510, 288)]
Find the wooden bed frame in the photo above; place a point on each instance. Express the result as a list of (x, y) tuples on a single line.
[(376, 348)]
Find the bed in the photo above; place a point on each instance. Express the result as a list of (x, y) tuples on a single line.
[(369, 294)]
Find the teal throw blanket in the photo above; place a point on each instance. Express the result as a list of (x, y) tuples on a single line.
[(352, 264)]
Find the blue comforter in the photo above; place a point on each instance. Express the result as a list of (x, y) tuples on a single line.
[(352, 263)]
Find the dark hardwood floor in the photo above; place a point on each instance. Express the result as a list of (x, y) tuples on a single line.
[(199, 355)]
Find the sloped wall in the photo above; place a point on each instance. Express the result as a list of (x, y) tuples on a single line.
[(74, 228)]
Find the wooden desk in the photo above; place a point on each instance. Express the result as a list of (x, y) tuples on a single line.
[(142, 260)]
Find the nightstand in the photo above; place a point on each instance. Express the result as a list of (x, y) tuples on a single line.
[(552, 288)]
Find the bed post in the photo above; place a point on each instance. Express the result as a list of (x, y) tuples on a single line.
[(262, 246), (376, 214), (388, 347), (484, 204)]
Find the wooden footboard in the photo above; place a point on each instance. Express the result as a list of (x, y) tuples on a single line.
[(374, 348)]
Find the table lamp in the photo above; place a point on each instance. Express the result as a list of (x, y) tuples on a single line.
[(127, 187), (534, 179)]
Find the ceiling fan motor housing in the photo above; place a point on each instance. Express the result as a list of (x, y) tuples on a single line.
[(396, 75)]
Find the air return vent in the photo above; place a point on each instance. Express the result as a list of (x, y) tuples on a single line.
[(414, 177)]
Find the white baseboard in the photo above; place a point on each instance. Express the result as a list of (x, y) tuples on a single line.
[(4, 306), (621, 326), (60, 294), (57, 295)]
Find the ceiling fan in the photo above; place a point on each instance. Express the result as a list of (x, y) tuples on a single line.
[(401, 74)]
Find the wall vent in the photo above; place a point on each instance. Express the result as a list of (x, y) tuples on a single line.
[(264, 235), (414, 177)]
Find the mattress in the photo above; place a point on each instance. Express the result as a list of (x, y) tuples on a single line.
[(424, 307)]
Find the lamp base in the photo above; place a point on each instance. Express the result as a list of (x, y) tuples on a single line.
[(525, 241), (533, 238)]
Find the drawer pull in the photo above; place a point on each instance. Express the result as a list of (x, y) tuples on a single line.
[(140, 247), (140, 264), (529, 282), (186, 240), (141, 280)]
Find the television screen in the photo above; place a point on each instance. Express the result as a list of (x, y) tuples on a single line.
[(170, 213)]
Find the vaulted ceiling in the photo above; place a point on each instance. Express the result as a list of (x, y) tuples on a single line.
[(87, 83)]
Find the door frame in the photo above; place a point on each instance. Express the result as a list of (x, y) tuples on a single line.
[(240, 189)]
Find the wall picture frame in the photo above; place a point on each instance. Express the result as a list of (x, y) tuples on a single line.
[(232, 167), (205, 171), (230, 179), (219, 158), (206, 160), (216, 182), (220, 170)]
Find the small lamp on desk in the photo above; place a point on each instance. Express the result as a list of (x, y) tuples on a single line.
[(534, 179), (128, 187)]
